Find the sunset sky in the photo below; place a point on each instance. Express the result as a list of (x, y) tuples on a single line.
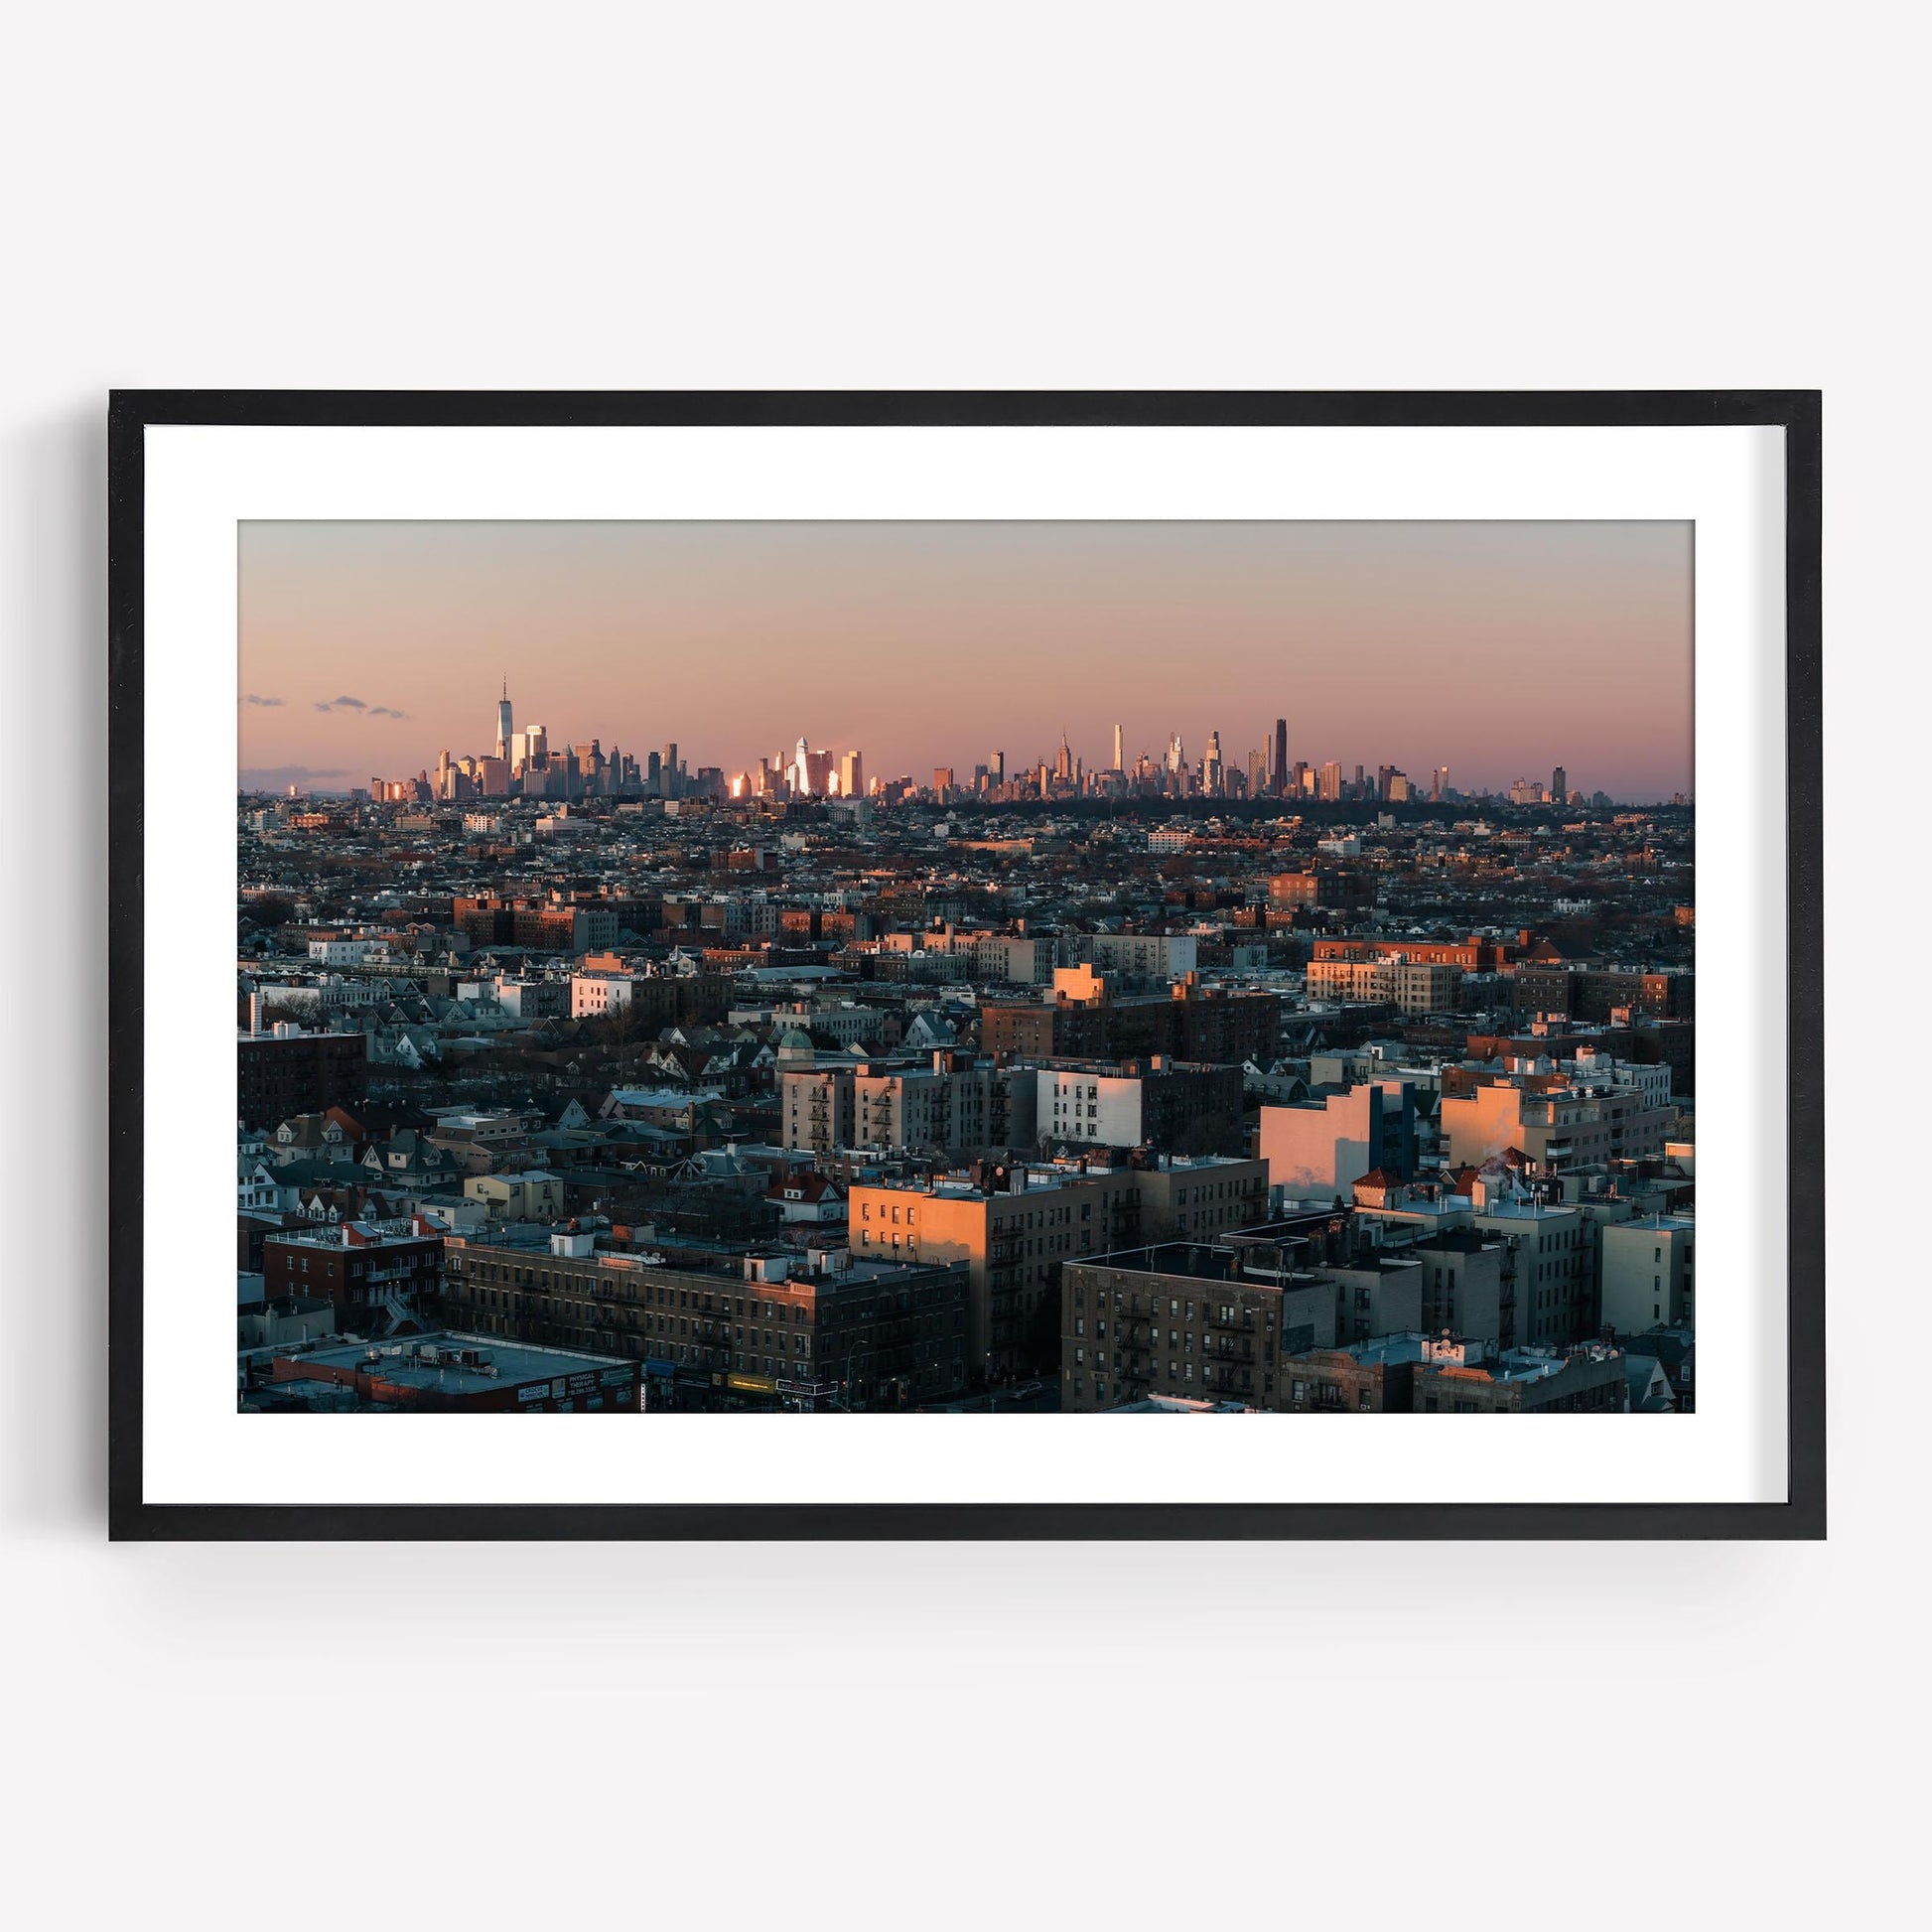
[(1498, 650)]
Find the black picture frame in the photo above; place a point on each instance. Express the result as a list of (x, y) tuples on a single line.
[(1797, 412)]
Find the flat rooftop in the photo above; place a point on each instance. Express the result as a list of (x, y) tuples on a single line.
[(369, 1239), (712, 1263), (424, 1361), (1199, 1261)]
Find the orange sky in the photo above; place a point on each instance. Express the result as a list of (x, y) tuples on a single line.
[(1498, 650)]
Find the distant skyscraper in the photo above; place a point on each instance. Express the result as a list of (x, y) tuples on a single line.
[(1560, 785), (1281, 757), (998, 769), (1211, 765), (851, 775), (505, 727), (1120, 760), (1063, 760)]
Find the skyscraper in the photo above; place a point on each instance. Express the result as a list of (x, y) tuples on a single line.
[(505, 727), (1120, 762), (1281, 757), (851, 775), (1560, 785)]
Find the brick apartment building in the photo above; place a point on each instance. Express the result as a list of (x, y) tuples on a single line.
[(1185, 1319), (1215, 1315), (1594, 993), (534, 925), (1180, 1106), (1430, 1375), (358, 1268), (287, 1072), (1471, 955), (1338, 889), (651, 1001), (765, 1328), (1189, 1023), (1019, 1227)]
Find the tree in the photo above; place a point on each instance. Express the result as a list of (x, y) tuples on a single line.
[(270, 909)]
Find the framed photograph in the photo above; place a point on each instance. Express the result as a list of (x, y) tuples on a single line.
[(838, 965)]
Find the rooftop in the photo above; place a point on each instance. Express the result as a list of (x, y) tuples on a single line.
[(1247, 1267), (358, 1234), (457, 1364)]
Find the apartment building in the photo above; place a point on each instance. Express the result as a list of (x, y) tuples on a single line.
[(1018, 1229), (1648, 1274), (1318, 1149), (953, 1102), (825, 1329), (1411, 986), (1555, 1127), (369, 1272), (1186, 1320), (1553, 1254), (1434, 1375), (1132, 1103), (289, 1072)]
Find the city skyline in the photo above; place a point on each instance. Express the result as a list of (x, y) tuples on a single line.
[(929, 645)]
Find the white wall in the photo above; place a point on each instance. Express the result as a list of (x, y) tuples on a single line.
[(1499, 196)]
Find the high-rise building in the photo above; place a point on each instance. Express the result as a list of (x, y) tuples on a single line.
[(1560, 785), (1331, 784), (1280, 774), (506, 725), (1211, 765), (1120, 751), (998, 769), (851, 775), (1063, 760)]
